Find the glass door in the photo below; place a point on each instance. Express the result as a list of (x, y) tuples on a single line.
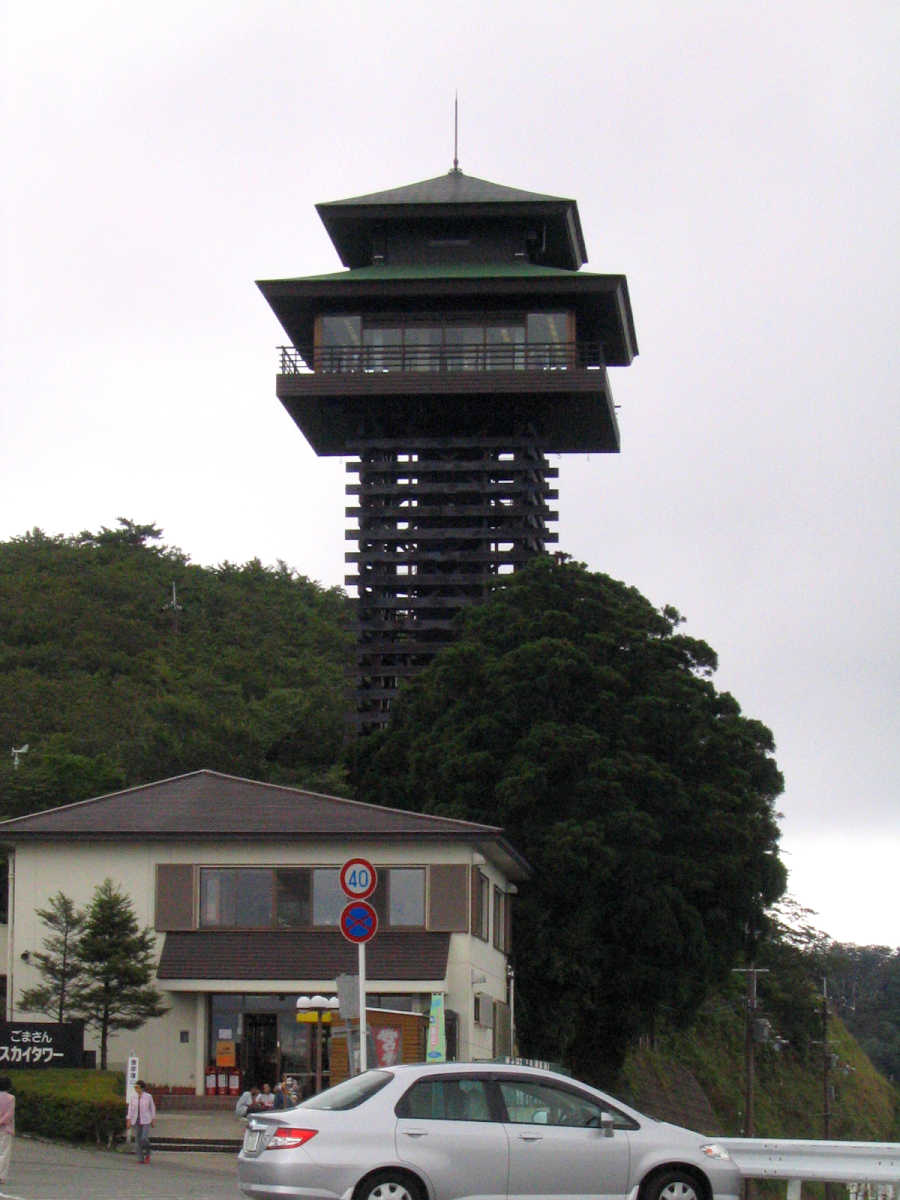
[(260, 1048)]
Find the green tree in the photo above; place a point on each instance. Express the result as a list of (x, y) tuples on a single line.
[(575, 715), (58, 962), (111, 685), (115, 991), (864, 984)]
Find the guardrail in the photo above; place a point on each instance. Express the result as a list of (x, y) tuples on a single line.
[(860, 1165), (518, 356)]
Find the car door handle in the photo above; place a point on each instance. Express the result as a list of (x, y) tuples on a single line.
[(415, 1132), (531, 1137)]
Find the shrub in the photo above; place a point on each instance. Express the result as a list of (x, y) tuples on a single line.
[(76, 1105)]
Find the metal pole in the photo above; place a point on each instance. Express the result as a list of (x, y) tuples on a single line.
[(826, 1063), (363, 1063), (318, 1050), (748, 1049)]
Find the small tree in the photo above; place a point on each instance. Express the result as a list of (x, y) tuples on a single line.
[(115, 991), (58, 963)]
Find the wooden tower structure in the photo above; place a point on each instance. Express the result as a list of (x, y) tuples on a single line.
[(459, 347)]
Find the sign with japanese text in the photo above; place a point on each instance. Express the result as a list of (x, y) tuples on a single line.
[(132, 1074), (41, 1044)]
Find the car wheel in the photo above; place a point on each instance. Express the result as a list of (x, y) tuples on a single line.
[(673, 1185), (389, 1185)]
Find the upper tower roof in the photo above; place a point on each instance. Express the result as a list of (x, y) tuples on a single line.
[(554, 227)]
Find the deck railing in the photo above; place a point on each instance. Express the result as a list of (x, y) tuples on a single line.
[(521, 356)]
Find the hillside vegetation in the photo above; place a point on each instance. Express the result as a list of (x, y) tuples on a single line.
[(113, 680), (696, 1077), (111, 683)]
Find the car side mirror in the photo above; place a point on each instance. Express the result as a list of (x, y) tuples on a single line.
[(607, 1124)]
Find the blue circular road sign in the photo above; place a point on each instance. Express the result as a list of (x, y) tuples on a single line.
[(359, 921)]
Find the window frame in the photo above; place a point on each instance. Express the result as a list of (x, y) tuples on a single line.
[(621, 1120), (490, 1093), (404, 353), (332, 900)]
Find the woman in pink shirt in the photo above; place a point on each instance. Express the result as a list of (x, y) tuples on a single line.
[(141, 1115), (7, 1125)]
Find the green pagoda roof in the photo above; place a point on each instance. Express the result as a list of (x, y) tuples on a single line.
[(452, 188), (385, 271), (454, 199)]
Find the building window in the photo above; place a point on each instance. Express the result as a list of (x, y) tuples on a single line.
[(306, 897), (477, 342), (481, 906), (406, 896), (235, 897), (293, 897), (328, 898), (500, 920)]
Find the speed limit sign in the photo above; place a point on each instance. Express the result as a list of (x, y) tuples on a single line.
[(358, 878)]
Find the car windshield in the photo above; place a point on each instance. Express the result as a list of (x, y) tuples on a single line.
[(351, 1092)]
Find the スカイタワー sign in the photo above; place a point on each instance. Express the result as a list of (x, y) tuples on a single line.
[(41, 1044)]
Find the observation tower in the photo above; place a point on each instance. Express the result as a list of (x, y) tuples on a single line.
[(459, 347)]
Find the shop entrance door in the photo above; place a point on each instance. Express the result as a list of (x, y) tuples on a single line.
[(297, 1046), (261, 1049)]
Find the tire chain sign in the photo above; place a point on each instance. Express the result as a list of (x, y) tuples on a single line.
[(41, 1044)]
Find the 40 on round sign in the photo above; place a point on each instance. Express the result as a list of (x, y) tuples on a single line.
[(359, 921), (358, 878)]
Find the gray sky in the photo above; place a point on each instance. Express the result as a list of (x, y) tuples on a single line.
[(738, 161)]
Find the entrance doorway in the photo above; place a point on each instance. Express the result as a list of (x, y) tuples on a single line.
[(260, 1047)]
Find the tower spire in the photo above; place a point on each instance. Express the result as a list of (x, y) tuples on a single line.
[(456, 170)]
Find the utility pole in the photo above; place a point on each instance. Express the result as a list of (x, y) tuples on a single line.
[(826, 1065), (749, 1042), (749, 1055), (175, 609)]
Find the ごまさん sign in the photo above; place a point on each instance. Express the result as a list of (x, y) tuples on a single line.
[(41, 1044)]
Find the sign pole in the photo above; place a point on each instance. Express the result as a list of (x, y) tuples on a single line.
[(363, 1048), (359, 923)]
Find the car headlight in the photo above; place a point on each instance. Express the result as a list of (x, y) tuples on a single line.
[(712, 1150)]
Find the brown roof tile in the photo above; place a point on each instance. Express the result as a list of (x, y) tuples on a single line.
[(208, 803), (301, 954)]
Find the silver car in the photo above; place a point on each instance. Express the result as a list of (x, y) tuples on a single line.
[(475, 1131)]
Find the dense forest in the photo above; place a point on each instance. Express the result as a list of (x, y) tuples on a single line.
[(123, 662)]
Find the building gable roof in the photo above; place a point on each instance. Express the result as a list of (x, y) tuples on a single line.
[(209, 804)]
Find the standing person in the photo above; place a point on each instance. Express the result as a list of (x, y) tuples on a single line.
[(141, 1115), (7, 1125)]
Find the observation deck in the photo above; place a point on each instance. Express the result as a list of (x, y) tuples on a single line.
[(558, 390)]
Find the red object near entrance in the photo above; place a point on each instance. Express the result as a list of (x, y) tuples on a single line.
[(234, 1082), (211, 1081), (222, 1082)]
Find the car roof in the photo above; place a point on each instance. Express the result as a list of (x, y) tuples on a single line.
[(481, 1066)]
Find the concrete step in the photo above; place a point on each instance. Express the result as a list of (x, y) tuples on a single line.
[(206, 1132)]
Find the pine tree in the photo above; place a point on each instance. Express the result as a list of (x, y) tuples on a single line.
[(58, 963), (115, 991)]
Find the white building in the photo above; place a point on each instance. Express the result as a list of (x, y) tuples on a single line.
[(240, 881)]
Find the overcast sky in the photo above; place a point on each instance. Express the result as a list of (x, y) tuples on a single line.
[(737, 161)]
